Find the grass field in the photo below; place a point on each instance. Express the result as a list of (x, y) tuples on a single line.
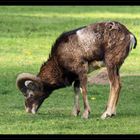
[(26, 36)]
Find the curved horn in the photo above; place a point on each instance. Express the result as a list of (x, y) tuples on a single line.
[(23, 77)]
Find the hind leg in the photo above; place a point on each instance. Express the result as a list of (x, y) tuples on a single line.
[(115, 87)]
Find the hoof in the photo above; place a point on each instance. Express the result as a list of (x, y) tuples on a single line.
[(75, 113), (106, 115), (86, 114)]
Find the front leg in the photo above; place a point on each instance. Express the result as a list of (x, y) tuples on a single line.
[(76, 108), (86, 104), (83, 82)]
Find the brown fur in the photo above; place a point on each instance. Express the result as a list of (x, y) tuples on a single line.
[(74, 51)]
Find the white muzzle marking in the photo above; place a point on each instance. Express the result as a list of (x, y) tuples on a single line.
[(27, 109), (34, 109)]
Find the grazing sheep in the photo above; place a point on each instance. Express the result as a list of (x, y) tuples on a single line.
[(73, 53)]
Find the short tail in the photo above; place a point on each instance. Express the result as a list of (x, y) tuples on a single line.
[(133, 41)]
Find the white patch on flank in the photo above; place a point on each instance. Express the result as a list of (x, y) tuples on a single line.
[(85, 37), (132, 42)]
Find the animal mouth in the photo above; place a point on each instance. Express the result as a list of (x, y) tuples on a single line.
[(32, 110)]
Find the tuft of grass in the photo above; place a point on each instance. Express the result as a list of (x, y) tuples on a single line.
[(26, 37)]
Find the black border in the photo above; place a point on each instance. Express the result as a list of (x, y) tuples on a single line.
[(70, 137), (68, 3)]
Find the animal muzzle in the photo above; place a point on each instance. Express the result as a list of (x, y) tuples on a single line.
[(32, 110)]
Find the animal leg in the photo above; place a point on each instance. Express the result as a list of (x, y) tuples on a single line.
[(83, 82), (115, 87), (76, 108)]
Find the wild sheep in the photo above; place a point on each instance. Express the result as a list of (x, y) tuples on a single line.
[(107, 43)]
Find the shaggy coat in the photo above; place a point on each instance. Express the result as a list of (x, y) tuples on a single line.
[(72, 54)]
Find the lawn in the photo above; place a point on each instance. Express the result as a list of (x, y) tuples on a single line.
[(26, 36)]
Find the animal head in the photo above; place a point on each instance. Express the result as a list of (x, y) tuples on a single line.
[(32, 88)]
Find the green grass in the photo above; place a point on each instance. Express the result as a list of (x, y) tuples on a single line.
[(26, 36)]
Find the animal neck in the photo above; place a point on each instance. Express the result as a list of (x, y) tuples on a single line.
[(51, 74)]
